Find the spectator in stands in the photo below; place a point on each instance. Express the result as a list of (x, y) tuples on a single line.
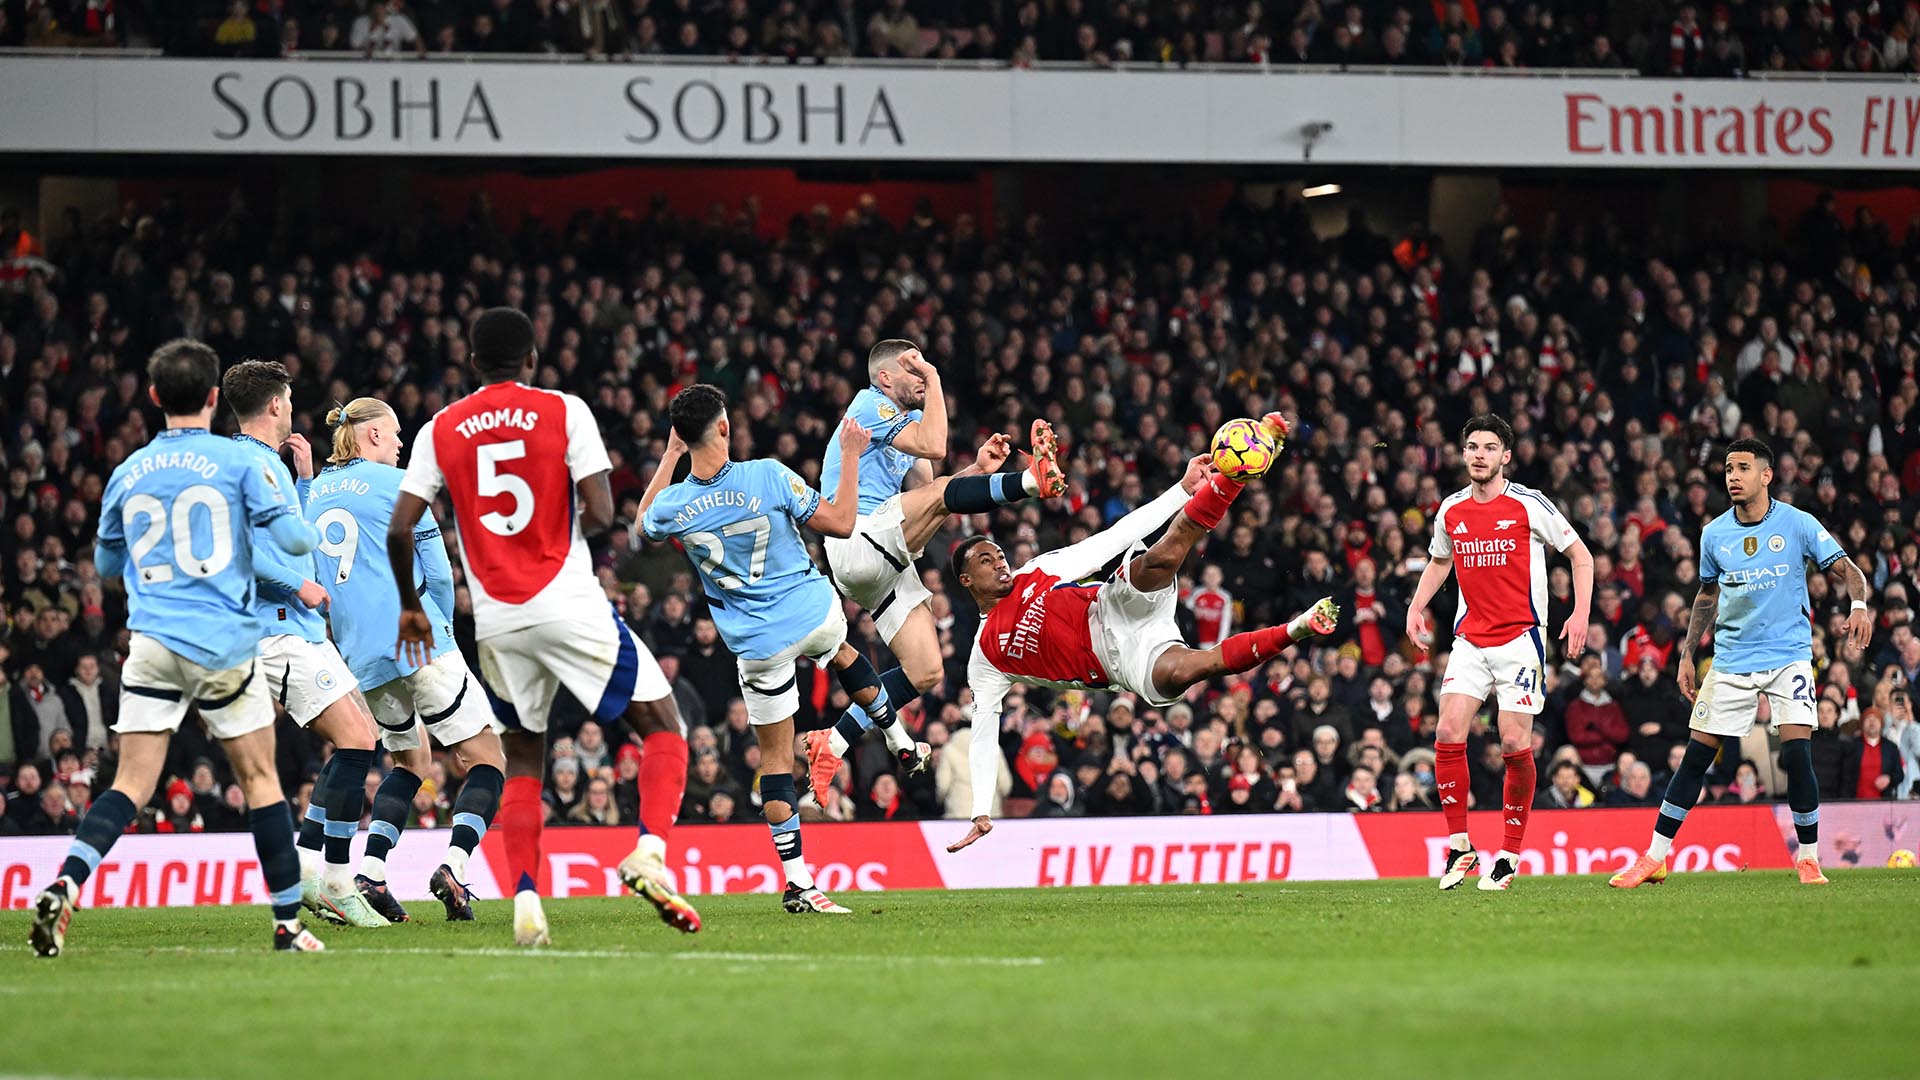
[(1636, 787), (597, 807), (1565, 789), (1873, 768), (1596, 724), (385, 32)]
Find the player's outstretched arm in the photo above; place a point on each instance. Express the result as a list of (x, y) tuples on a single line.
[(416, 630), (926, 437), (1706, 608), (1431, 578), (990, 688), (835, 516)]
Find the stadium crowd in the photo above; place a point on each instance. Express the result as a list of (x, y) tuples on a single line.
[(1726, 39), (1625, 364)]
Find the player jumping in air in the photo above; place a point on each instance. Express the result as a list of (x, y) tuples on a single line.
[(1043, 627), (1494, 534), (1753, 596), (739, 521), (178, 519), (906, 411), (526, 472), (351, 503), (304, 671)]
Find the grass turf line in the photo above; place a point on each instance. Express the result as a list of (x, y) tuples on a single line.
[(1708, 975)]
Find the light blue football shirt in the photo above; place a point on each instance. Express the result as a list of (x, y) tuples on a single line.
[(183, 509), (741, 528), (1765, 620), (882, 468), (278, 575), (351, 505)]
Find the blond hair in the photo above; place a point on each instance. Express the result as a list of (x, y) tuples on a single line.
[(342, 420)]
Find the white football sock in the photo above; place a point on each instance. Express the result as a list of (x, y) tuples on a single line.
[(1030, 485), (457, 862), (1807, 851), (373, 868), (837, 743), (1657, 851), (337, 878), (797, 873), (1459, 842), (309, 863)]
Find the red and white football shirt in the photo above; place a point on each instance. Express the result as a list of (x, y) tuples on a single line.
[(1499, 549), (509, 456)]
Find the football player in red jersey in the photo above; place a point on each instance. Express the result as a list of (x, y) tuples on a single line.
[(1494, 534), (1043, 626), (526, 472)]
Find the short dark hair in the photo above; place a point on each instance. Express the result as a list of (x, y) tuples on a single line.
[(1761, 452), (695, 409), (885, 352), (502, 341), (962, 549), (1489, 422), (1559, 765), (183, 372), (251, 385)]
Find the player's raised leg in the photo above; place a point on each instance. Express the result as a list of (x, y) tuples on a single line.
[(1179, 667), (876, 569)]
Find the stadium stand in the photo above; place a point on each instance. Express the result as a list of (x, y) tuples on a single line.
[(1625, 359), (1719, 40)]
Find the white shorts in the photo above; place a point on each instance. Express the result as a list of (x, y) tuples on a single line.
[(770, 687), (1130, 629), (157, 685), (1729, 705), (304, 677), (874, 569), (1515, 672), (443, 696), (595, 656)]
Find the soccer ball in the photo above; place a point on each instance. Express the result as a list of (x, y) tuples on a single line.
[(1900, 860), (1242, 449)]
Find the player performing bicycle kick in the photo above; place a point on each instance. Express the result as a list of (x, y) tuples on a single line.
[(1043, 626)]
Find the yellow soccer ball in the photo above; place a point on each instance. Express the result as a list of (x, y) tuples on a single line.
[(1900, 860), (1242, 449)]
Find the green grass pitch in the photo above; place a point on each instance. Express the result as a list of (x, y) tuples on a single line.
[(1710, 975)]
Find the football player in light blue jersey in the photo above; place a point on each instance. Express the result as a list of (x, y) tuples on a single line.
[(739, 522), (178, 521), (906, 410), (304, 672), (1753, 597), (351, 503)]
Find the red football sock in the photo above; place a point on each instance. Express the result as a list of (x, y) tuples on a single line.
[(663, 781), (520, 819), (1208, 506), (1451, 783), (1244, 652), (1518, 799)]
